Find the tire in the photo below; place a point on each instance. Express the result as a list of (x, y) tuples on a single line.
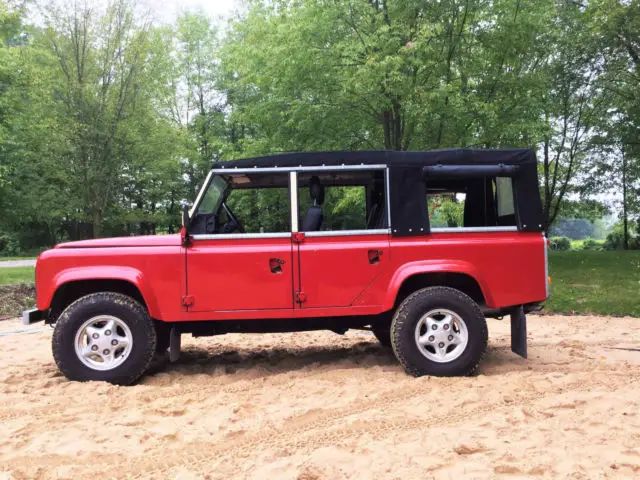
[(131, 329), (383, 335), (451, 317)]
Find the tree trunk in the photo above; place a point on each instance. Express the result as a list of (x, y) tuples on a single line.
[(625, 218), (96, 223)]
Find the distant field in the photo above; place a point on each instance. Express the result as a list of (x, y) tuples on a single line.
[(16, 275), (4, 259), (605, 283)]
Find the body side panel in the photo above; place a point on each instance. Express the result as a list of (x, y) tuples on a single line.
[(155, 271)]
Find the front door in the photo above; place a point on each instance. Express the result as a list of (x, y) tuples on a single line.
[(240, 258), (240, 274)]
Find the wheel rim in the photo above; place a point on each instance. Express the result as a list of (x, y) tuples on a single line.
[(441, 335), (103, 342)]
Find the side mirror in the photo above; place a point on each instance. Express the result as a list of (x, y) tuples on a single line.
[(184, 231)]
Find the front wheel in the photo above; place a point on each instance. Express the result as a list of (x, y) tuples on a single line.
[(104, 336), (439, 331)]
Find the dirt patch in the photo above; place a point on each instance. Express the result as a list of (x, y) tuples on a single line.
[(323, 406), (16, 298)]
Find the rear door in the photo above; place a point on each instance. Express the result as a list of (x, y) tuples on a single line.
[(340, 258)]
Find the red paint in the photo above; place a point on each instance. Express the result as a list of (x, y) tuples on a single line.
[(338, 275), (235, 274)]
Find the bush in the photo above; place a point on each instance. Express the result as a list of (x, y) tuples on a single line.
[(615, 240), (9, 245), (560, 244), (592, 244)]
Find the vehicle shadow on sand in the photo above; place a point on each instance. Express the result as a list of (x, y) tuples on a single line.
[(229, 360), (220, 359)]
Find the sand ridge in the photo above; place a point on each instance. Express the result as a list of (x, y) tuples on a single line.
[(322, 406)]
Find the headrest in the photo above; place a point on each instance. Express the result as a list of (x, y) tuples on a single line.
[(316, 190)]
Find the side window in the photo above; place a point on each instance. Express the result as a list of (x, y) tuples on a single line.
[(446, 210), (245, 203), (504, 197), (341, 200), (471, 202)]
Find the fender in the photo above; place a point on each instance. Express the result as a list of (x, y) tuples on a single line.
[(433, 266), (101, 272)]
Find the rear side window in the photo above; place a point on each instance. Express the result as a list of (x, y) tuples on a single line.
[(471, 202)]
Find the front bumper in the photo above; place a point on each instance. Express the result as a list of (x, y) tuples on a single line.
[(32, 316)]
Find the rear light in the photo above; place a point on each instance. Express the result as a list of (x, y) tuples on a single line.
[(548, 242), (549, 280)]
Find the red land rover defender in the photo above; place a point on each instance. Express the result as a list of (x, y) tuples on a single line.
[(334, 240)]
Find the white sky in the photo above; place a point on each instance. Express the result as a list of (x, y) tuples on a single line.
[(169, 10), (163, 11)]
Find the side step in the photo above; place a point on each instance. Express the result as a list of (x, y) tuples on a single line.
[(519, 332)]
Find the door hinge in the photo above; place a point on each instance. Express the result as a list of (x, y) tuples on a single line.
[(297, 237), (301, 297), (188, 300)]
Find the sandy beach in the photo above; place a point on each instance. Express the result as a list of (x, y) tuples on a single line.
[(323, 406)]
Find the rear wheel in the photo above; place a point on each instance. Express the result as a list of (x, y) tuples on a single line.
[(439, 331), (104, 336)]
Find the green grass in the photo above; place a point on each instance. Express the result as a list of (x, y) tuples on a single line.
[(4, 259), (16, 275), (606, 283)]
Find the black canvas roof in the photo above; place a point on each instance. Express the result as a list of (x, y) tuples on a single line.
[(458, 156)]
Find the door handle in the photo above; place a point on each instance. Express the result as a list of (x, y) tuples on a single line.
[(374, 256), (275, 265)]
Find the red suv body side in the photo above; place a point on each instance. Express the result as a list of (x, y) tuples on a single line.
[(282, 277)]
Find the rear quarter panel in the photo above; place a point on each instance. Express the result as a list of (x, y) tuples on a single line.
[(510, 267)]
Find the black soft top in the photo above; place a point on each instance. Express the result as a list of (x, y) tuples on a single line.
[(411, 172), (457, 156)]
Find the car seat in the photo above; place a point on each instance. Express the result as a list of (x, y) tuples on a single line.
[(312, 221)]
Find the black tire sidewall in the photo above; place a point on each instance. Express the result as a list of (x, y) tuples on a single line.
[(127, 310), (407, 317)]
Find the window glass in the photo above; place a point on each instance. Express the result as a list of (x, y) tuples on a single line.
[(342, 200), (213, 196), (470, 202), (244, 203), (264, 210), (504, 194)]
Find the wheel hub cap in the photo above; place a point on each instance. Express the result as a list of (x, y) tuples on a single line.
[(103, 342), (441, 335)]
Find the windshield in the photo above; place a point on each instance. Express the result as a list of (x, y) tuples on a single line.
[(213, 197)]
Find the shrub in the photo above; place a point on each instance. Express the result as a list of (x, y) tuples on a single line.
[(9, 245), (560, 244), (615, 240), (592, 244)]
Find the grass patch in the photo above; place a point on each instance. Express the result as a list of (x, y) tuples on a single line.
[(14, 275), (606, 283), (4, 259)]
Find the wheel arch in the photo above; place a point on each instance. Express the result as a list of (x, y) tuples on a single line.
[(75, 283), (455, 274)]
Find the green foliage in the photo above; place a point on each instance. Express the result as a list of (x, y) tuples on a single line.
[(615, 238), (108, 123), (588, 244), (604, 283), (560, 244)]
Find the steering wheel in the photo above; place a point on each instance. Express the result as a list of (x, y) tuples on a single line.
[(233, 224)]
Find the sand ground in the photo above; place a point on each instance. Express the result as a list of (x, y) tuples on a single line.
[(322, 406)]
